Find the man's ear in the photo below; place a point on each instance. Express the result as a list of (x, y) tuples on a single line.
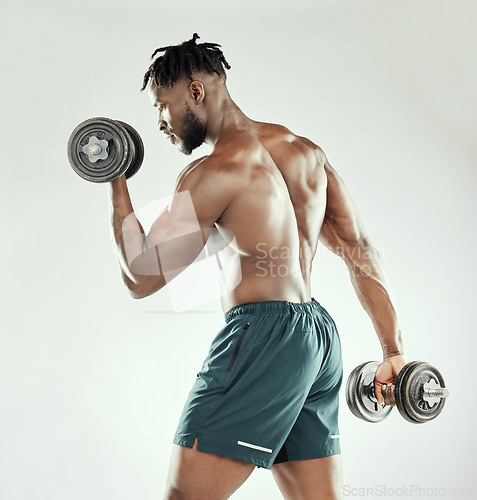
[(197, 91)]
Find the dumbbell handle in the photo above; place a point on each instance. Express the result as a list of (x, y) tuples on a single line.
[(388, 393)]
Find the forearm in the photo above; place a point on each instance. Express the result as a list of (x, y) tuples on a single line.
[(374, 292), (126, 231)]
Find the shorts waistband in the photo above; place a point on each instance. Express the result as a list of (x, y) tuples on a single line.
[(271, 306)]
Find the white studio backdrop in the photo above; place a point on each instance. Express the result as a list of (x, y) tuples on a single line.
[(92, 383)]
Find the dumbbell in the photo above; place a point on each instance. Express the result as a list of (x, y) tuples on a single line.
[(419, 393), (101, 150)]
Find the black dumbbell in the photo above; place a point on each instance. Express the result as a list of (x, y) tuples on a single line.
[(101, 150), (419, 393)]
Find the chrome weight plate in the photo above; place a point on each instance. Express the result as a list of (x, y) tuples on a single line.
[(360, 394)]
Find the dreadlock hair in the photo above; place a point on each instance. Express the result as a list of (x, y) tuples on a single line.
[(183, 60)]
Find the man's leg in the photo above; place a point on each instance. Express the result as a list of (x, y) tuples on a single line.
[(315, 479), (197, 475)]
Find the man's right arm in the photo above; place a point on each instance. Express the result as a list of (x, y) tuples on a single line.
[(344, 234)]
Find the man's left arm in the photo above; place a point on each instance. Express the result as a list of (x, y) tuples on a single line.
[(149, 262)]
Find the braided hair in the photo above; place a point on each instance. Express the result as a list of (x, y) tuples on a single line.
[(183, 60)]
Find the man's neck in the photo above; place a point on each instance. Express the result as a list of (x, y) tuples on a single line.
[(226, 115)]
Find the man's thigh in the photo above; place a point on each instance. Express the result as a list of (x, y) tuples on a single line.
[(197, 475), (314, 479)]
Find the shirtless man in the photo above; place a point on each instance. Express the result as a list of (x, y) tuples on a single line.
[(267, 394)]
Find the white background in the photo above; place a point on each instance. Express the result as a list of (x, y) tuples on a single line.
[(92, 382)]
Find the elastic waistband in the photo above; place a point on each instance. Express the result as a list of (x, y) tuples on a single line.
[(271, 306)]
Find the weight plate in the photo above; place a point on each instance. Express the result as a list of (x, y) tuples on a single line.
[(360, 394), (119, 154), (351, 390), (138, 150), (409, 392), (400, 403)]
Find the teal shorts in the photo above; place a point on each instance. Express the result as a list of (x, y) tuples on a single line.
[(268, 389)]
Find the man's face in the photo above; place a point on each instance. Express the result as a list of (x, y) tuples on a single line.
[(176, 118)]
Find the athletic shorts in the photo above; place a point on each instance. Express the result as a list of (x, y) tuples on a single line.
[(268, 389)]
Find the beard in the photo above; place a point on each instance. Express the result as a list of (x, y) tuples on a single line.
[(194, 132)]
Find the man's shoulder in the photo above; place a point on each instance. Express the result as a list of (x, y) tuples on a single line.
[(282, 133), (213, 168), (275, 131), (283, 138), (188, 173)]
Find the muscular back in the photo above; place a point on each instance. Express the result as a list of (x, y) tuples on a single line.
[(276, 213), (274, 191)]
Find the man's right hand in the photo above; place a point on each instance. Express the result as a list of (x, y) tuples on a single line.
[(386, 374)]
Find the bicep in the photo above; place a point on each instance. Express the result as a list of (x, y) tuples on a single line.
[(194, 205), (180, 233)]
